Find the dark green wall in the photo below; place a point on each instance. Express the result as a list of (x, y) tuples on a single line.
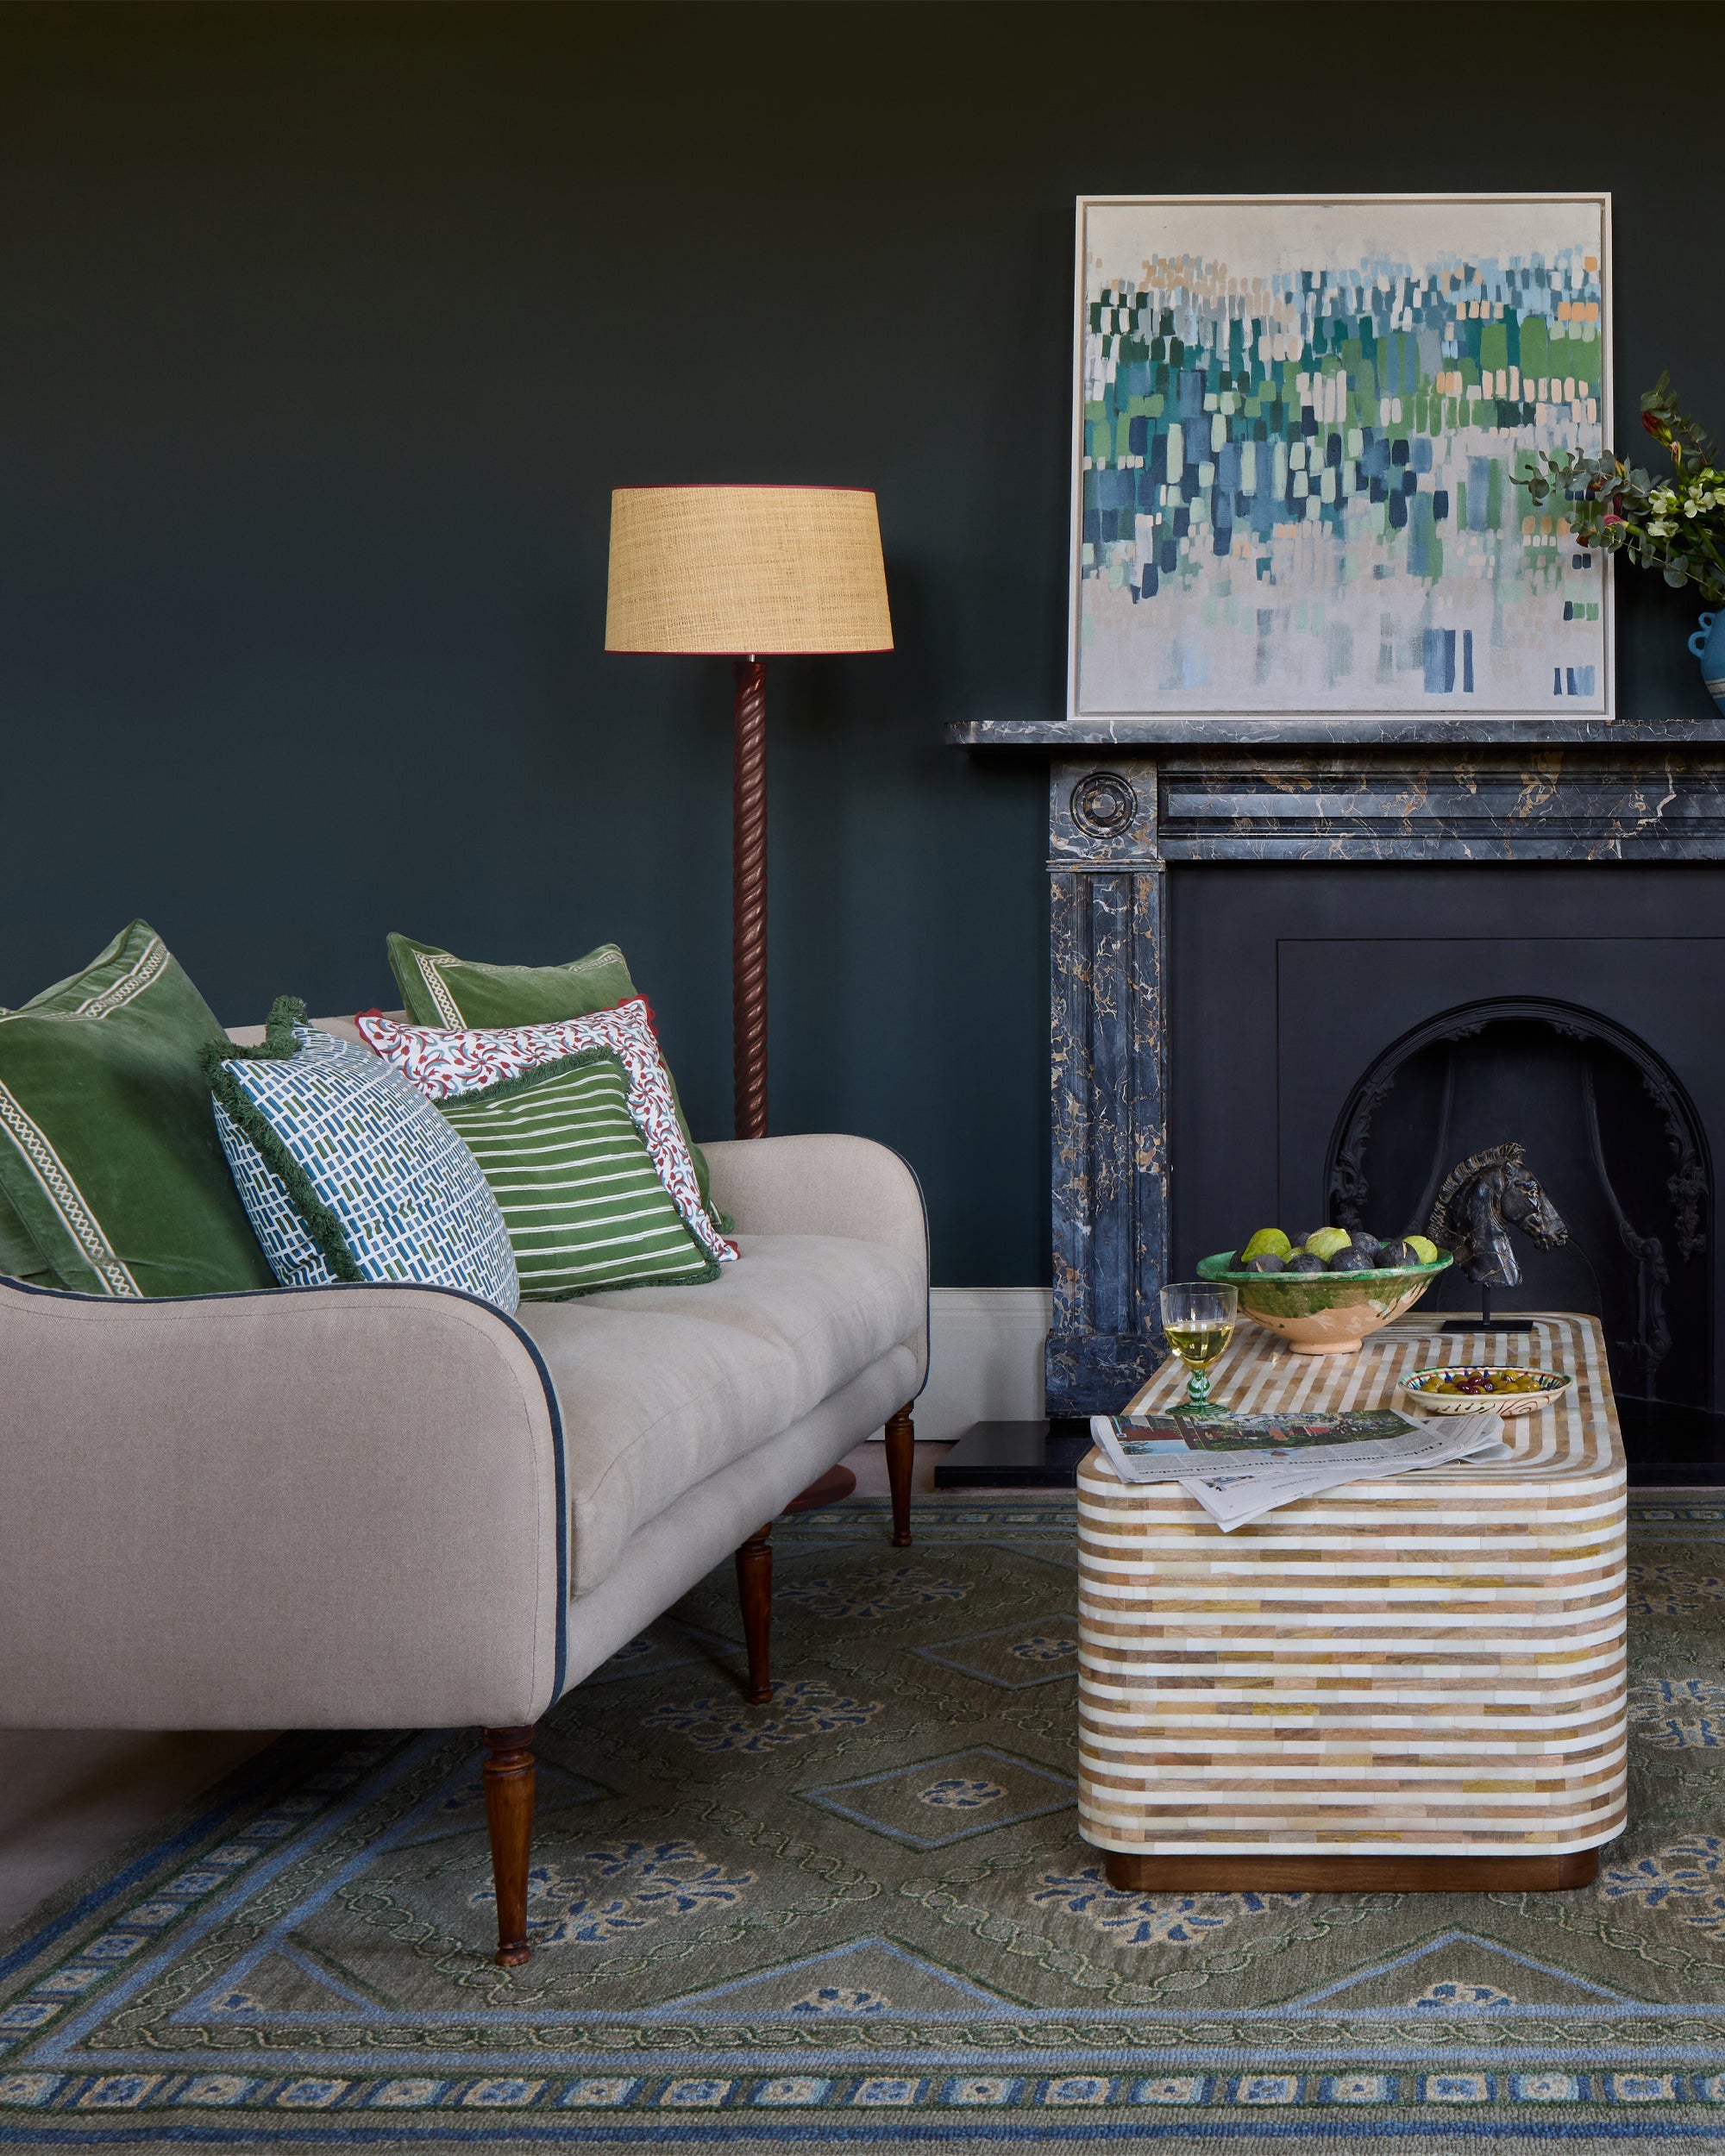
[(325, 331)]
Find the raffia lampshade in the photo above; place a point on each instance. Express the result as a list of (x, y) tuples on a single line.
[(746, 569)]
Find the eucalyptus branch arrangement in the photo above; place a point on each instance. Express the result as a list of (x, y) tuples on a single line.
[(1675, 525)]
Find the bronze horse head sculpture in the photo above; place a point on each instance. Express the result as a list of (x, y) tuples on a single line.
[(1480, 1201)]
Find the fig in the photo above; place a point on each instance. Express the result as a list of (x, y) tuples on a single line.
[(1304, 1261), (1265, 1261), (1266, 1239), (1397, 1255), (1351, 1261), (1326, 1242)]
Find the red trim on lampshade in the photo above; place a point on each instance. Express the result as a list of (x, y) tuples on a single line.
[(844, 651), (734, 486)]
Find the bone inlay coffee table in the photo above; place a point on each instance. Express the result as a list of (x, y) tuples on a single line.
[(1417, 1682)]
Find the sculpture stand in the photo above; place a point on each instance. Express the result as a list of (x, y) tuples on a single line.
[(1486, 1322)]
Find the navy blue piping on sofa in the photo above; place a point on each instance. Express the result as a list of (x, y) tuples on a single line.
[(927, 1276), (460, 1295)]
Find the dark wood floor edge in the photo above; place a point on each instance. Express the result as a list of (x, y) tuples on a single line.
[(1527, 1870)]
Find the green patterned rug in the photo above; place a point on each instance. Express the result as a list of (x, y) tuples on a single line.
[(863, 1915)]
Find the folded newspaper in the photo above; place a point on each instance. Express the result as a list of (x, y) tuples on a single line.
[(1240, 1467)]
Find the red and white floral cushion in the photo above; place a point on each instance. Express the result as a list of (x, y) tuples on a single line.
[(445, 1064)]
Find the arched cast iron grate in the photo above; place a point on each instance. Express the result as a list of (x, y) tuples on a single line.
[(1640, 1223)]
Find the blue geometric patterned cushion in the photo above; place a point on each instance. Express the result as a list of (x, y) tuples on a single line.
[(348, 1173)]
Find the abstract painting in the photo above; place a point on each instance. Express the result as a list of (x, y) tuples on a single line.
[(1298, 428)]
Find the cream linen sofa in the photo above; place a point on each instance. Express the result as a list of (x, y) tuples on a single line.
[(394, 1508)]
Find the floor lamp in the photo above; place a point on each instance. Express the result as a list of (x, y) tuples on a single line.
[(749, 572)]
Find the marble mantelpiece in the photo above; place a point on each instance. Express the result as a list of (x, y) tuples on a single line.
[(1129, 798), (1238, 733)]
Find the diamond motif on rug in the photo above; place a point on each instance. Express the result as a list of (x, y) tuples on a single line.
[(1037, 1651), (960, 1793), (1007, 1790)]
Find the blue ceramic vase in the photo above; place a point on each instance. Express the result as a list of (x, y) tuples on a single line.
[(1708, 643)]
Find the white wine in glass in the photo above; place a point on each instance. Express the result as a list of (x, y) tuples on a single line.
[(1198, 1317)]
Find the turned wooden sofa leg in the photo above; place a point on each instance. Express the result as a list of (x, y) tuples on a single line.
[(754, 1592), (509, 1779), (901, 1460)]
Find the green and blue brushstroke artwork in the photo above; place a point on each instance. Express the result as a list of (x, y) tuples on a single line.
[(1299, 428)]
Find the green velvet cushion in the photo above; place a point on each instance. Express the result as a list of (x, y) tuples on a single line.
[(19, 1255), (109, 1157), (577, 1185), (439, 989)]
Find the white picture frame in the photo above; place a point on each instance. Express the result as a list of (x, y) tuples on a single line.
[(1482, 635)]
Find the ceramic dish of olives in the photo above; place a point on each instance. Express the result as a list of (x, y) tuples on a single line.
[(1471, 1389)]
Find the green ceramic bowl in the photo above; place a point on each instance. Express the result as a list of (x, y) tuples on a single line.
[(1325, 1313)]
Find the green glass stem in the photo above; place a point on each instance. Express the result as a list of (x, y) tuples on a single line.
[(1198, 1389)]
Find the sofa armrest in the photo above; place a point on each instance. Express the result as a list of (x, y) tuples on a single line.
[(314, 1507), (825, 1185)]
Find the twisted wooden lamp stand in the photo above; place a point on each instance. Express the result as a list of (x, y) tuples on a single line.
[(749, 900)]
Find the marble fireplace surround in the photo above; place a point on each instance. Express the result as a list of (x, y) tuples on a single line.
[(1128, 798)]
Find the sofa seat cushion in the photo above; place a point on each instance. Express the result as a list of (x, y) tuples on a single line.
[(662, 1386)]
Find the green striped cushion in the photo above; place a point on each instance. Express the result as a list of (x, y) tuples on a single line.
[(576, 1184)]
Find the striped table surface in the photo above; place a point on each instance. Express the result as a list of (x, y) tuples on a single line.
[(1430, 1663)]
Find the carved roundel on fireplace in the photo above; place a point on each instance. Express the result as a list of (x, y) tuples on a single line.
[(1609, 1130), (1103, 804)]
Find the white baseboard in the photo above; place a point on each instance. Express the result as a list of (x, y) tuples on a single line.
[(985, 1358)]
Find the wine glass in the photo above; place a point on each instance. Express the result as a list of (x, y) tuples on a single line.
[(1198, 1316)]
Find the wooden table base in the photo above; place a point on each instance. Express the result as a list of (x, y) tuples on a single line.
[(1525, 1872)]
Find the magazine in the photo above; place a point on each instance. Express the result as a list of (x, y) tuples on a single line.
[(1233, 1500), (1240, 1467)]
